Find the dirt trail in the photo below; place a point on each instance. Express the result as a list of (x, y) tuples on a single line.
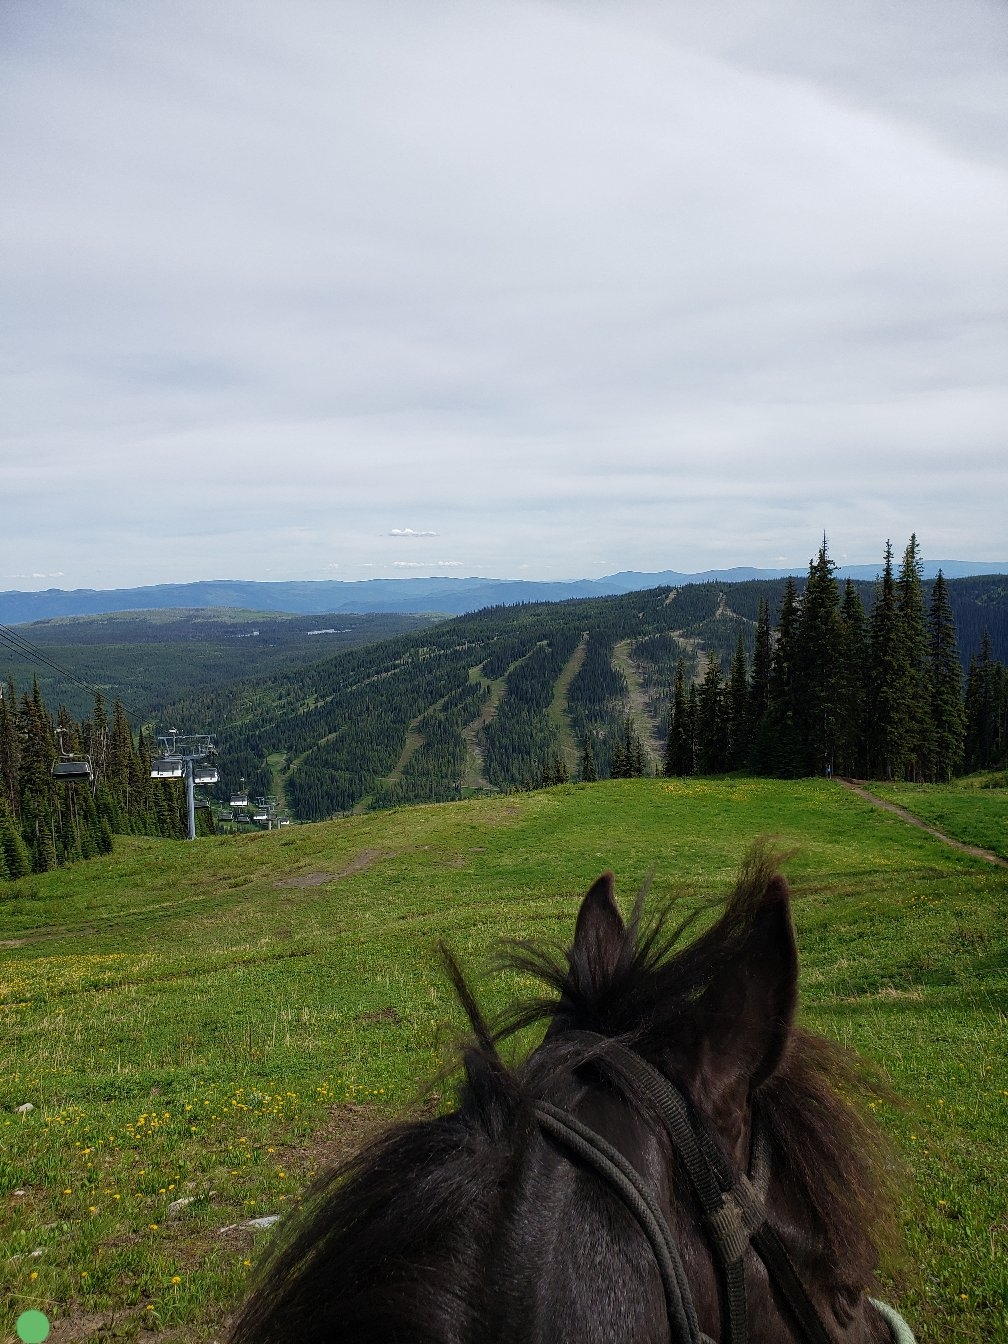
[(904, 815), (638, 701)]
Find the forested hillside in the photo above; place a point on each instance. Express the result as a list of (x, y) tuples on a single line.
[(513, 697), (149, 659), (765, 675)]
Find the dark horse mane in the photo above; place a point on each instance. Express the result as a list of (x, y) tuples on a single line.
[(399, 1243)]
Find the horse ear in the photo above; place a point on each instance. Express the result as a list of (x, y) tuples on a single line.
[(599, 932), (745, 1015)]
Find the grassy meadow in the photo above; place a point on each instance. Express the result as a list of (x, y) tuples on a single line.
[(213, 1022)]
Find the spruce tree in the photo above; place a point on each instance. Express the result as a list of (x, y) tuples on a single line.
[(16, 854), (692, 714), (737, 708), (913, 625), (780, 739), (945, 677), (760, 754), (10, 749), (853, 660), (677, 744), (710, 744), (986, 710), (888, 706), (817, 665), (589, 774)]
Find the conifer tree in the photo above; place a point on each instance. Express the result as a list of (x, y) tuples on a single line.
[(692, 714), (617, 766), (760, 754), (888, 700), (853, 660), (913, 628), (710, 734), (780, 740), (737, 708), (16, 854), (589, 774), (677, 750), (986, 709), (10, 748), (945, 677), (817, 665)]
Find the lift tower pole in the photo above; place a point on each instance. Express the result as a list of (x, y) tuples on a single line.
[(185, 756)]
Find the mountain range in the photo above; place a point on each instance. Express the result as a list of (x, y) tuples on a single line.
[(448, 596)]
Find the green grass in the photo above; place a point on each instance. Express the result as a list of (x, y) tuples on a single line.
[(973, 810), (214, 1021)]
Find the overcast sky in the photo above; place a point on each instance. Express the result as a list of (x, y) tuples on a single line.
[(531, 290)]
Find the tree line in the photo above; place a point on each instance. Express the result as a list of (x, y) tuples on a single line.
[(46, 821), (834, 689)]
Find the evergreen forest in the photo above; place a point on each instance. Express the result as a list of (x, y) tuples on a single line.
[(47, 820)]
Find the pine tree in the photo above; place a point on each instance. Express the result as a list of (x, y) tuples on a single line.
[(692, 714), (16, 854), (617, 767), (913, 627), (710, 735), (10, 748), (986, 710), (945, 677), (817, 665), (780, 740), (589, 774), (737, 708), (853, 663), (760, 755), (888, 699), (677, 752)]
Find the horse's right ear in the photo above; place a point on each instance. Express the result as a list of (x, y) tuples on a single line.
[(598, 934)]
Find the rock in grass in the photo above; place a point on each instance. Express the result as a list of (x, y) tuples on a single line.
[(23, 1110), (177, 1205), (253, 1223)]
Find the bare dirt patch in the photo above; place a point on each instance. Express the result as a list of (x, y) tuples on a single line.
[(357, 864), (305, 880)]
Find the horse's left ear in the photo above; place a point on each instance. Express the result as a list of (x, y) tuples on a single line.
[(745, 1015), (598, 934)]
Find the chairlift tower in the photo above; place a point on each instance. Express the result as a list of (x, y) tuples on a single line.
[(186, 756)]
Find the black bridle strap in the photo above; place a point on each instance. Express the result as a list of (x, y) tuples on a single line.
[(622, 1177), (734, 1205), (771, 1250)]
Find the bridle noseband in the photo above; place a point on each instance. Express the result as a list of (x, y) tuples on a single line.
[(733, 1203)]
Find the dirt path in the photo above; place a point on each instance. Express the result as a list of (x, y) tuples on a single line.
[(638, 701), (904, 815)]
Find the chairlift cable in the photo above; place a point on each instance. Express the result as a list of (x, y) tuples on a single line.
[(33, 654)]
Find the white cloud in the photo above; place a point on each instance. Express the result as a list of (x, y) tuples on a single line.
[(586, 287)]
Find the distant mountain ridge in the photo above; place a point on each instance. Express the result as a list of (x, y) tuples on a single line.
[(451, 596)]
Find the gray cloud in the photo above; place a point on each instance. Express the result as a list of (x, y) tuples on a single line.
[(584, 286)]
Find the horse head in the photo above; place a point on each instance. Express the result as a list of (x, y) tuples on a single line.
[(676, 1161)]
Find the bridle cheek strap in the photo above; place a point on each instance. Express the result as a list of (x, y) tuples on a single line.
[(733, 1204)]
